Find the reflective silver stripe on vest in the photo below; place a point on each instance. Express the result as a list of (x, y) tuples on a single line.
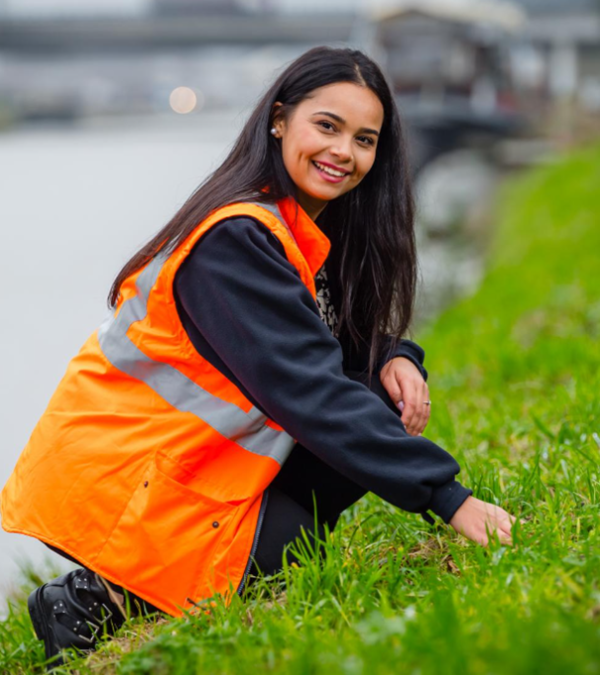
[(274, 209), (246, 429)]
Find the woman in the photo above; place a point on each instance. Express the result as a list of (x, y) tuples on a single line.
[(188, 438)]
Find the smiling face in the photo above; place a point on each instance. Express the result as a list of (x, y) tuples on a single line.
[(329, 142)]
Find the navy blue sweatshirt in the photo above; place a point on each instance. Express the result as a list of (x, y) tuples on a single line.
[(248, 313)]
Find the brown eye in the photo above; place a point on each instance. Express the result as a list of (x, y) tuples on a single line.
[(331, 127)]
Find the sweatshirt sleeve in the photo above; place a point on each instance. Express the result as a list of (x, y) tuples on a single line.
[(407, 349), (250, 305)]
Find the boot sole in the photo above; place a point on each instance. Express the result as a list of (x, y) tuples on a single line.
[(41, 630)]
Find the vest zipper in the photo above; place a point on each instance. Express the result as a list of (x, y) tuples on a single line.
[(261, 515)]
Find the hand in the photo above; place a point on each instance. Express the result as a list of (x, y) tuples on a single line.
[(473, 516), (408, 390)]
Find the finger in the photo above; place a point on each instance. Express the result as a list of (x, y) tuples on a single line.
[(409, 412), (393, 389), (500, 528), (426, 407), (506, 522), (491, 530), (422, 409), (416, 422)]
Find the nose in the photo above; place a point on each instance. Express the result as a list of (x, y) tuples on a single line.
[(342, 150)]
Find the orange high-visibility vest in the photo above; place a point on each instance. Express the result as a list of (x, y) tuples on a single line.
[(149, 465)]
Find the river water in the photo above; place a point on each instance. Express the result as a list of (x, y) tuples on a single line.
[(76, 202)]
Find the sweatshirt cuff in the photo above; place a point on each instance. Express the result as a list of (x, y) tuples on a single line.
[(406, 349), (407, 355), (447, 499)]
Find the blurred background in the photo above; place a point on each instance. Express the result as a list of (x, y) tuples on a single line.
[(113, 111)]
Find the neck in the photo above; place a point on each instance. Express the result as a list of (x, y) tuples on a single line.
[(312, 206)]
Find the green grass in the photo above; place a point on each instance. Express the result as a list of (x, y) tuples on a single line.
[(515, 383)]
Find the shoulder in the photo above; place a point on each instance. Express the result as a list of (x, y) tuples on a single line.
[(238, 247), (242, 233)]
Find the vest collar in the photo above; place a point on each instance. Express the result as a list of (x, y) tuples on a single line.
[(312, 242)]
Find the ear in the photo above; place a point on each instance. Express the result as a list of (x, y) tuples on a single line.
[(278, 118)]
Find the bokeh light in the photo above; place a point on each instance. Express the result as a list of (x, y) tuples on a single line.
[(183, 100)]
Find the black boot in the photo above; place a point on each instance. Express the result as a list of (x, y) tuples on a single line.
[(73, 611)]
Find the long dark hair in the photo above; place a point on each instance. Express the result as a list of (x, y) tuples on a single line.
[(371, 226)]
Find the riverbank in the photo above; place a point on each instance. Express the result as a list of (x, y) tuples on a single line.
[(514, 380)]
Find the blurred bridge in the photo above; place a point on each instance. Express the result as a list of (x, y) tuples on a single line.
[(173, 32)]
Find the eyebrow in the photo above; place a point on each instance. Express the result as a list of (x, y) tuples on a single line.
[(341, 120)]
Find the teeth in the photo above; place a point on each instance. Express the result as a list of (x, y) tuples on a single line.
[(331, 172)]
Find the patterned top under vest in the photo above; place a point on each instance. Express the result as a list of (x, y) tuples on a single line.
[(326, 308)]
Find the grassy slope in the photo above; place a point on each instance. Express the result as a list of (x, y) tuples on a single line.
[(515, 382)]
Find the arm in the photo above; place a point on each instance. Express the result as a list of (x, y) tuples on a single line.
[(249, 304), (402, 375)]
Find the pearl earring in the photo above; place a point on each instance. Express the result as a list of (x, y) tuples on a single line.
[(274, 131)]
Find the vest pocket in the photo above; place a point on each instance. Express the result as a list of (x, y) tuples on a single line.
[(172, 473), (168, 535)]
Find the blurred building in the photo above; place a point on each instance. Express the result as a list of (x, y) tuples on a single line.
[(441, 52), (449, 66), (566, 38)]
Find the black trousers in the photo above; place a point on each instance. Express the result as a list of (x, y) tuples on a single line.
[(303, 481)]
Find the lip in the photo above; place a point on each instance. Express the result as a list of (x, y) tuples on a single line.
[(332, 166), (326, 176)]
